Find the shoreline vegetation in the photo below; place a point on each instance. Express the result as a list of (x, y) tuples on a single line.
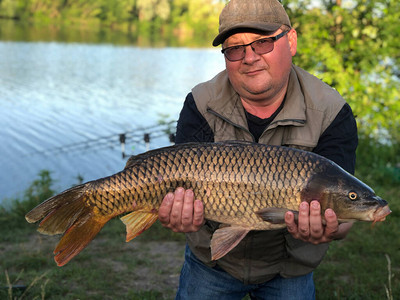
[(146, 22)]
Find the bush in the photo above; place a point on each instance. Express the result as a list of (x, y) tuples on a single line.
[(378, 162), (14, 217)]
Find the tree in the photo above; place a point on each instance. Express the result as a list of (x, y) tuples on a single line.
[(353, 48)]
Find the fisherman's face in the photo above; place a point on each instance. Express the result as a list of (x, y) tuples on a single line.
[(261, 77)]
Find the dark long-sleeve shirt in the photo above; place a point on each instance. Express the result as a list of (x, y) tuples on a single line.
[(336, 142)]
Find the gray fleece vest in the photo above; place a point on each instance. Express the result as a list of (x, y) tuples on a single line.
[(310, 107)]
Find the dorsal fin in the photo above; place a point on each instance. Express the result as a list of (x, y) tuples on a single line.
[(134, 159), (236, 143)]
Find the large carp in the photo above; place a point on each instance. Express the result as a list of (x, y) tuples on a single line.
[(245, 186)]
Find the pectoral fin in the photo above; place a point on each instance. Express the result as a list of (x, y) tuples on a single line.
[(225, 239), (138, 221), (275, 215)]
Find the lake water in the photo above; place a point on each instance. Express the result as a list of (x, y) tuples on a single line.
[(63, 106)]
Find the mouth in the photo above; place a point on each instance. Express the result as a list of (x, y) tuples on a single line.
[(381, 213), (253, 72)]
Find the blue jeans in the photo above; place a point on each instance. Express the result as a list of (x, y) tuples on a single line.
[(200, 282)]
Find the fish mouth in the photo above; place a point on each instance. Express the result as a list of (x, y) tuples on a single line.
[(381, 213)]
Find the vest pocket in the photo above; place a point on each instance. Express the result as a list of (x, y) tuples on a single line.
[(305, 253)]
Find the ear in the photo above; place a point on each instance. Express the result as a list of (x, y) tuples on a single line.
[(292, 37)]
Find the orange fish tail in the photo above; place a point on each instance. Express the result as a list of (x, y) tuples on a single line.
[(77, 237), (68, 214)]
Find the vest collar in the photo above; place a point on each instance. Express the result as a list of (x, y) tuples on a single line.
[(226, 103)]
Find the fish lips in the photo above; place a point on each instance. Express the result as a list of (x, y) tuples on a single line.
[(381, 213), (381, 210)]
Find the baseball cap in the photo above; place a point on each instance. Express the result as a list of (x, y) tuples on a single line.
[(263, 15)]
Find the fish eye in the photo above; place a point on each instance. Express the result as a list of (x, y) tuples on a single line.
[(353, 195)]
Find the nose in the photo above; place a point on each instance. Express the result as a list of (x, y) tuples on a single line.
[(250, 56)]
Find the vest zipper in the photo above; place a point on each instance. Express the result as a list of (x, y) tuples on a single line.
[(302, 122), (230, 122), (275, 124)]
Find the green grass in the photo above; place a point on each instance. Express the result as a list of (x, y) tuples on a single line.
[(108, 268), (366, 265)]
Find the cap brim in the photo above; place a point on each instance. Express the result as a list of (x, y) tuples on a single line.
[(243, 27)]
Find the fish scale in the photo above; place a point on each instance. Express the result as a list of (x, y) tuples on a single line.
[(245, 186), (250, 174)]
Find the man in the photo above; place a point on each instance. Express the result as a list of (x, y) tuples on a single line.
[(260, 97)]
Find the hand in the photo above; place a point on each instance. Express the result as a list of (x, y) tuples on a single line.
[(180, 212), (310, 227)]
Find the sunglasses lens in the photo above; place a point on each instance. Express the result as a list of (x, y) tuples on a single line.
[(234, 53), (262, 46)]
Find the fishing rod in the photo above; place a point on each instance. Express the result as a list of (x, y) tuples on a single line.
[(136, 136)]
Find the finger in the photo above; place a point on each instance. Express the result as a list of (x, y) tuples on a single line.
[(316, 228), (304, 221), (332, 224), (176, 211), (198, 214), (165, 209), (290, 223), (187, 209)]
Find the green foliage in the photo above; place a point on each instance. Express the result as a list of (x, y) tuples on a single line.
[(181, 18), (14, 217), (352, 48), (378, 164), (39, 190)]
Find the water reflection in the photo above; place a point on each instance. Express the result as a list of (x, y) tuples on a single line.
[(11, 30), (55, 94)]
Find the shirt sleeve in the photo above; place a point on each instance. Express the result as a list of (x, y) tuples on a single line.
[(339, 141), (192, 126)]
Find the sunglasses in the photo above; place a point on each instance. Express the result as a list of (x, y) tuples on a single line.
[(261, 46)]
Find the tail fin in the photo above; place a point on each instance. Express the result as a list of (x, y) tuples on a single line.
[(68, 214)]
